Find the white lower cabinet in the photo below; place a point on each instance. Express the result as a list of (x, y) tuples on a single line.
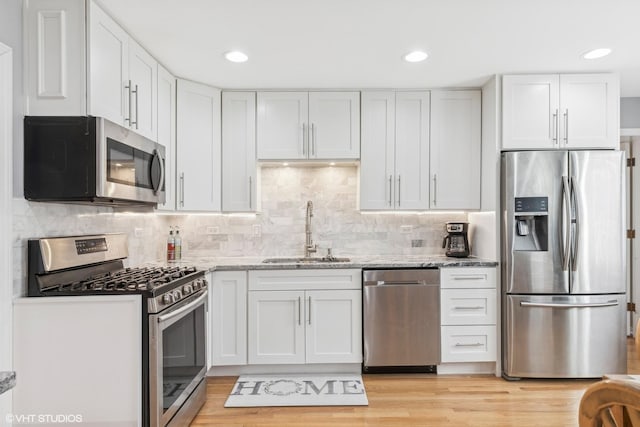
[(468, 307), (468, 343), (90, 369), (276, 327), (320, 322), (228, 311)]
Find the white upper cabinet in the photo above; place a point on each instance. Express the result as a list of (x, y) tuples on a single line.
[(122, 76), (143, 75), (412, 150), (55, 57), (377, 156), (282, 125), (79, 61), (563, 111), (589, 108), (394, 166), (334, 120), (167, 134), (308, 125), (239, 151), (455, 149), (109, 93), (199, 147)]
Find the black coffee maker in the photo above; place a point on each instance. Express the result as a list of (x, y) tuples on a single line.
[(458, 243)]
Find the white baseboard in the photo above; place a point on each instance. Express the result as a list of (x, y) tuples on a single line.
[(334, 368)]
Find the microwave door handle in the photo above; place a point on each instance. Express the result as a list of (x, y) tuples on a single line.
[(156, 158), (161, 160)]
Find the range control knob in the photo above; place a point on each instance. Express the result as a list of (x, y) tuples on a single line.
[(177, 295), (187, 289), (167, 298)]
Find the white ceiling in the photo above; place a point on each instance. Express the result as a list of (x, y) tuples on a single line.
[(359, 43)]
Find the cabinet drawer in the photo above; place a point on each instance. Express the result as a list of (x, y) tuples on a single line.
[(468, 306), (469, 343), (468, 277), (316, 279)]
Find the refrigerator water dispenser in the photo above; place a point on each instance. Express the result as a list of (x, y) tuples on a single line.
[(531, 226)]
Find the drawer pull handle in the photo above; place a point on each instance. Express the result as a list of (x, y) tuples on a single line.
[(478, 344), (469, 308), (470, 277)]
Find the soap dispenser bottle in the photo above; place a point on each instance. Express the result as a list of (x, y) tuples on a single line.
[(171, 246), (178, 245)]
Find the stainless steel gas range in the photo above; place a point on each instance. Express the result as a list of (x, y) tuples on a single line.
[(174, 312)]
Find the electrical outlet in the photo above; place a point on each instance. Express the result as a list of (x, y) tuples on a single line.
[(138, 232), (213, 230), (406, 228), (257, 230)]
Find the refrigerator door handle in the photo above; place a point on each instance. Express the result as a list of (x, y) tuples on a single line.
[(565, 227), (611, 303), (575, 225)]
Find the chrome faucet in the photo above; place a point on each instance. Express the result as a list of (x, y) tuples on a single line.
[(309, 246)]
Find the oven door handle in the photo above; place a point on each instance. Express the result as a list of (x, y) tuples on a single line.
[(174, 315)]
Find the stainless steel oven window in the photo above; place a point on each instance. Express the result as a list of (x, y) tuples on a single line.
[(177, 356)]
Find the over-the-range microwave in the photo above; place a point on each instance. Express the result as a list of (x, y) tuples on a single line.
[(90, 160)]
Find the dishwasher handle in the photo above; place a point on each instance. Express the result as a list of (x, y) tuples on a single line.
[(400, 283)]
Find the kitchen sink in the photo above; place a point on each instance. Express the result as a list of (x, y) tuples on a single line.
[(302, 260)]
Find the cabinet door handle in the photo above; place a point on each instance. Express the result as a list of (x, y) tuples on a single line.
[(182, 189), (566, 126), (128, 88), (390, 189), (299, 311), (477, 344), (250, 193), (435, 189), (136, 92), (304, 140), (313, 139), (309, 310), (478, 307), (399, 188), (554, 136)]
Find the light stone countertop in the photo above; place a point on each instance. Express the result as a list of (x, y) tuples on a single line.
[(7, 381), (390, 261)]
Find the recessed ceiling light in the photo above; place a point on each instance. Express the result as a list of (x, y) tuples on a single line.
[(415, 56), (236, 56), (597, 53)]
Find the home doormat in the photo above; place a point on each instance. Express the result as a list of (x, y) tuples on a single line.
[(297, 390)]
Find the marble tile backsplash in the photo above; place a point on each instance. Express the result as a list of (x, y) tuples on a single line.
[(278, 230), (36, 220)]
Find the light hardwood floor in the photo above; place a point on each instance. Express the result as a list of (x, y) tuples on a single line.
[(422, 400)]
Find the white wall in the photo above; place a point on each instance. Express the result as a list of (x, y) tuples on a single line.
[(630, 113), (6, 314), (10, 141), (11, 35)]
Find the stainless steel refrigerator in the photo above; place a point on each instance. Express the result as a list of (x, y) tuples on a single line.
[(563, 264)]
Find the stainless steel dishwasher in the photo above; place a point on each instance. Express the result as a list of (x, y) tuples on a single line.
[(401, 320)]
